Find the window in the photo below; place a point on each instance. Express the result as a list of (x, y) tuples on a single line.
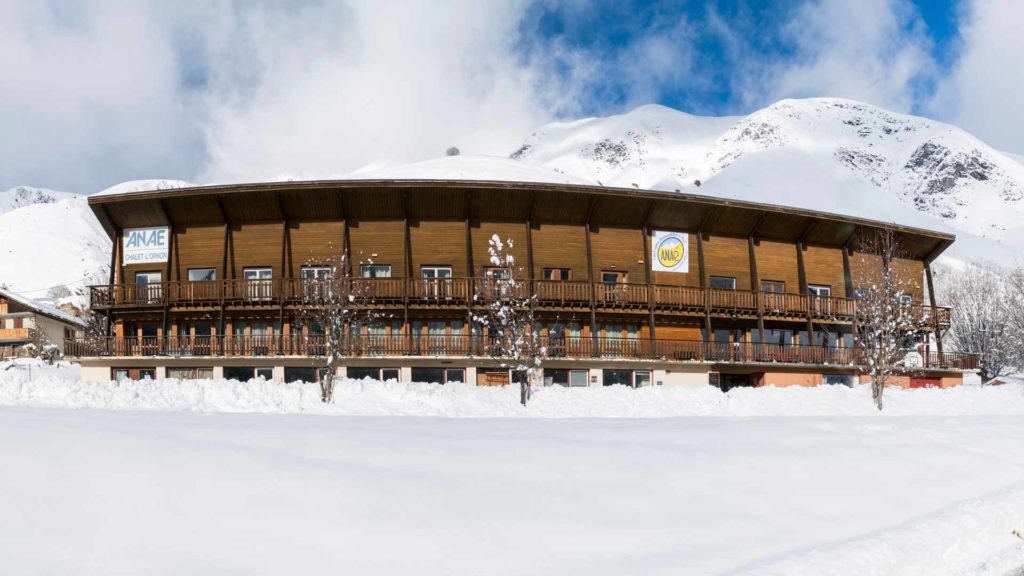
[(838, 379), (618, 377), (149, 286), (773, 287), (641, 378), (557, 274), (19, 322), (436, 271), (497, 273), (723, 283), (190, 373), (147, 374), (301, 374), (374, 373), (436, 281), (315, 272), (556, 376), (375, 270), (258, 284), (773, 336), (246, 373), (819, 291), (438, 375), (579, 378), (905, 299), (611, 278), (202, 274), (121, 374)]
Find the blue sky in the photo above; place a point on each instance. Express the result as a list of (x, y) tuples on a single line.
[(758, 30), (96, 92)]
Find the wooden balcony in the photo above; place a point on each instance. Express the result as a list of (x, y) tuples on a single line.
[(463, 292), (476, 346), (13, 334)]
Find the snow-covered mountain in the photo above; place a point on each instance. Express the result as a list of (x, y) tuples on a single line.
[(21, 196), (826, 154), (52, 244)]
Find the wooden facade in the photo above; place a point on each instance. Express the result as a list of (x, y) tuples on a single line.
[(585, 252)]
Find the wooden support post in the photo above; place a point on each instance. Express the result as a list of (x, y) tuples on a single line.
[(755, 283), (168, 267), (590, 277), (645, 236), (704, 285), (935, 312), (802, 273), (227, 273), (284, 282), (408, 264), (470, 272)]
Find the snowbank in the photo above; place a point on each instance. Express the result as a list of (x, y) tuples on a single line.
[(373, 398)]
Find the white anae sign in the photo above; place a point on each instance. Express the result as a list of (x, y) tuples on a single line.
[(670, 251), (145, 245)]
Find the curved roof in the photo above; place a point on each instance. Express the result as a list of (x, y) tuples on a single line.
[(446, 199)]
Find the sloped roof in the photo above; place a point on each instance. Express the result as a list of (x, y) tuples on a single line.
[(42, 309)]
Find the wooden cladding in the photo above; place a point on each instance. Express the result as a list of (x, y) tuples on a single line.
[(444, 243)]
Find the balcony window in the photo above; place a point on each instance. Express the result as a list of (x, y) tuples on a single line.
[(375, 270), (612, 278), (149, 286), (258, 285), (202, 274), (723, 283), (819, 291), (774, 336), (315, 272), (773, 287), (562, 274)]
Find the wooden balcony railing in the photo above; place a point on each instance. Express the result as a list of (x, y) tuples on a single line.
[(461, 346), (13, 334), (462, 291)]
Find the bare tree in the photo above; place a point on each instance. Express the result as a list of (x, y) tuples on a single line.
[(982, 313), (334, 306), (512, 332), (887, 328)]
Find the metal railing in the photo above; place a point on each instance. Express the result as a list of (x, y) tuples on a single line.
[(460, 346)]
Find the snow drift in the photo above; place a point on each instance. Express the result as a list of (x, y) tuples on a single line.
[(374, 398)]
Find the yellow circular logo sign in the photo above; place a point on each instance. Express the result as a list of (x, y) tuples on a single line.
[(671, 252)]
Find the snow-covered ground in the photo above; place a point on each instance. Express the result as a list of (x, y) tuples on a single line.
[(126, 492), (214, 477)]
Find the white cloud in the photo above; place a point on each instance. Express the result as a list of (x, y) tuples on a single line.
[(88, 93), (871, 50), (983, 93), (94, 93)]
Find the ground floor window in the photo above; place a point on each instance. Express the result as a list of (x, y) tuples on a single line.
[(838, 379), (119, 374), (301, 374), (190, 373), (246, 373), (382, 374), (438, 375), (631, 378), (565, 377), (729, 381)]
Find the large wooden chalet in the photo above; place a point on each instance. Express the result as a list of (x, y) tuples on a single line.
[(208, 282)]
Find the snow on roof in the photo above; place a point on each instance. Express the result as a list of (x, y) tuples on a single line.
[(43, 309), (470, 168), (143, 186)]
